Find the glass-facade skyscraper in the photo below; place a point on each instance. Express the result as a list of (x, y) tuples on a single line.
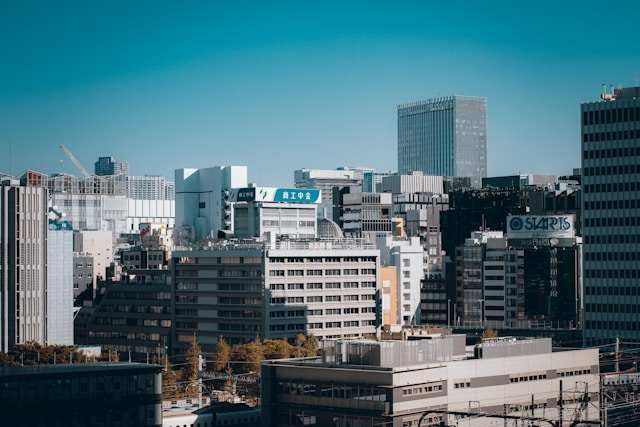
[(611, 216), (444, 136)]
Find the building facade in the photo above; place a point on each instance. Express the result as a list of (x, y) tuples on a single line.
[(96, 394), (432, 382), (407, 256), (326, 181), (444, 136), (60, 283), (242, 291), (610, 132), (367, 215), (263, 212), (108, 166), (23, 264), (202, 201)]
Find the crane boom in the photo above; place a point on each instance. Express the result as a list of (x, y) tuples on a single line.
[(76, 161)]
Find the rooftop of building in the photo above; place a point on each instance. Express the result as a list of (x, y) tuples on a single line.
[(283, 243), (399, 355), (75, 368)]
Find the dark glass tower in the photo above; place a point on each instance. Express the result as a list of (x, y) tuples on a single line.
[(611, 216)]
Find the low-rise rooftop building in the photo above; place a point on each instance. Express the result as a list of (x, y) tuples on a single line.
[(433, 381)]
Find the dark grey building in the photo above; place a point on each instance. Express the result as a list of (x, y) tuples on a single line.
[(610, 132), (81, 394)]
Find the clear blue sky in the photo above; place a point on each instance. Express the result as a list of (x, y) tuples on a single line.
[(284, 85)]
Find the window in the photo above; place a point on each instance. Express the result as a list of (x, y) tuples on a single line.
[(332, 298), (314, 285), (295, 300), (332, 285), (276, 286), (332, 311), (332, 324), (332, 272), (315, 298), (295, 286)]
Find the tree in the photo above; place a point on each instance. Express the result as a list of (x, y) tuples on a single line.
[(221, 355), (169, 381), (311, 346), (250, 354), (277, 349), (489, 333), (191, 369)]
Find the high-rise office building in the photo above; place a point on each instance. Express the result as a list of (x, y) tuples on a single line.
[(109, 166), (23, 264), (444, 136), (610, 181), (60, 283)]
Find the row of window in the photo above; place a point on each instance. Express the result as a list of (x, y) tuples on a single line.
[(611, 153), (422, 389), (611, 239), (573, 372), (611, 256), (318, 285), (612, 325), (618, 170), (345, 324), (288, 327), (319, 298), (612, 115), (627, 221), (320, 259), (602, 273), (613, 308), (530, 376), (335, 391), (611, 136), (612, 290), (319, 312), (326, 272)]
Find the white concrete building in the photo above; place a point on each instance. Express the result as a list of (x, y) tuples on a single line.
[(326, 288), (432, 382), (407, 255), (202, 200), (97, 244), (415, 182), (262, 212)]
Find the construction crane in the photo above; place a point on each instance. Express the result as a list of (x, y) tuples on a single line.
[(76, 161)]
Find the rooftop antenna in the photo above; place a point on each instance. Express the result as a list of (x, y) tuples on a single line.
[(11, 157)]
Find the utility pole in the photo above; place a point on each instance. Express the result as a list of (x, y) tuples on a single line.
[(560, 405)]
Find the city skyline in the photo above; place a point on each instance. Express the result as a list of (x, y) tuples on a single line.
[(285, 86)]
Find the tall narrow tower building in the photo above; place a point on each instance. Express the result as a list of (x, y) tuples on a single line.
[(611, 216), (23, 264), (444, 136)]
